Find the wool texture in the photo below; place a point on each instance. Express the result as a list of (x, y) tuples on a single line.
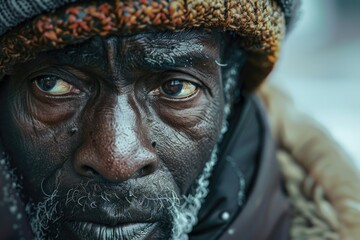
[(13, 12), (259, 25)]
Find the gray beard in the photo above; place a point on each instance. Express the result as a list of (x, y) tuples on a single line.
[(185, 216), (42, 215), (183, 210)]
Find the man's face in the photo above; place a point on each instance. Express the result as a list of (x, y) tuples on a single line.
[(108, 134)]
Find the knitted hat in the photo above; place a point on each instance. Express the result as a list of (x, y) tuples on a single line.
[(259, 24)]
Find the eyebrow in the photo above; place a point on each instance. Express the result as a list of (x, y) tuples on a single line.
[(163, 54), (152, 51)]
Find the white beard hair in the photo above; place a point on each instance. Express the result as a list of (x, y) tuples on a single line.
[(185, 217), (43, 214)]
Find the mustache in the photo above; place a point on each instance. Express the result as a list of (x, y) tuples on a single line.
[(150, 202), (93, 195), (154, 199)]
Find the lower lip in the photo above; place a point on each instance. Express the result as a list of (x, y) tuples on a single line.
[(88, 230)]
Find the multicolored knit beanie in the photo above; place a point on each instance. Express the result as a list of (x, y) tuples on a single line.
[(28, 27)]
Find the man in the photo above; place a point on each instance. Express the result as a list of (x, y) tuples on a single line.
[(137, 120)]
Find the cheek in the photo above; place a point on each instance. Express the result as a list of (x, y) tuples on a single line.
[(52, 114), (38, 156), (37, 150), (186, 137)]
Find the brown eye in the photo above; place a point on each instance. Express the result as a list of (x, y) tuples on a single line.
[(178, 89), (54, 85)]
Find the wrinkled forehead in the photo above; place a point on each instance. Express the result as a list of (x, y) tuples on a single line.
[(150, 50), (147, 44)]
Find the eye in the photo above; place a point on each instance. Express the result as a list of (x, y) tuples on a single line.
[(53, 85), (178, 89)]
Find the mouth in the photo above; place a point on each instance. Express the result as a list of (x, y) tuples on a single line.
[(105, 222), (91, 230)]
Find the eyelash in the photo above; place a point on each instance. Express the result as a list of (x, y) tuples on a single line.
[(190, 87), (165, 77), (74, 89)]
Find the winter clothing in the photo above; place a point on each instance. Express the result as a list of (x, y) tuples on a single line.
[(321, 181), (312, 194), (265, 213), (317, 178)]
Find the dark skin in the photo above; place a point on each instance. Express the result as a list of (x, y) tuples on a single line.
[(114, 116)]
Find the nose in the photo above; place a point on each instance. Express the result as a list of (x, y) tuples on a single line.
[(116, 147)]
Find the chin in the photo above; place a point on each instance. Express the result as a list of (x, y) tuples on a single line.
[(99, 231)]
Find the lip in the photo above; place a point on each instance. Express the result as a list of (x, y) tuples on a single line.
[(105, 222), (91, 230)]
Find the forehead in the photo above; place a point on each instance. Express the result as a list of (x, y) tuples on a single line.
[(152, 49)]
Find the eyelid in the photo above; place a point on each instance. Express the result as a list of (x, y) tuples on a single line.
[(63, 74), (34, 77), (180, 75), (154, 81), (156, 92), (43, 96), (176, 97), (70, 87)]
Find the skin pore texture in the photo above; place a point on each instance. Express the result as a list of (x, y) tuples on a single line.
[(116, 137)]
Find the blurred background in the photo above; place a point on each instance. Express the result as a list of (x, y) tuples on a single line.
[(320, 68)]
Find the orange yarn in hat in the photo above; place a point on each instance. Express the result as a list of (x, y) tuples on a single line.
[(259, 25)]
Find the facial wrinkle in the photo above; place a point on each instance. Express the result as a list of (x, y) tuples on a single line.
[(186, 217), (81, 201), (158, 53), (45, 212), (113, 55), (90, 53), (155, 53)]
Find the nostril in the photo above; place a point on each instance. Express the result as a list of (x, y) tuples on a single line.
[(147, 170), (153, 144), (89, 171)]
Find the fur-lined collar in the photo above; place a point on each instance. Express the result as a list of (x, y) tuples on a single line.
[(322, 182)]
